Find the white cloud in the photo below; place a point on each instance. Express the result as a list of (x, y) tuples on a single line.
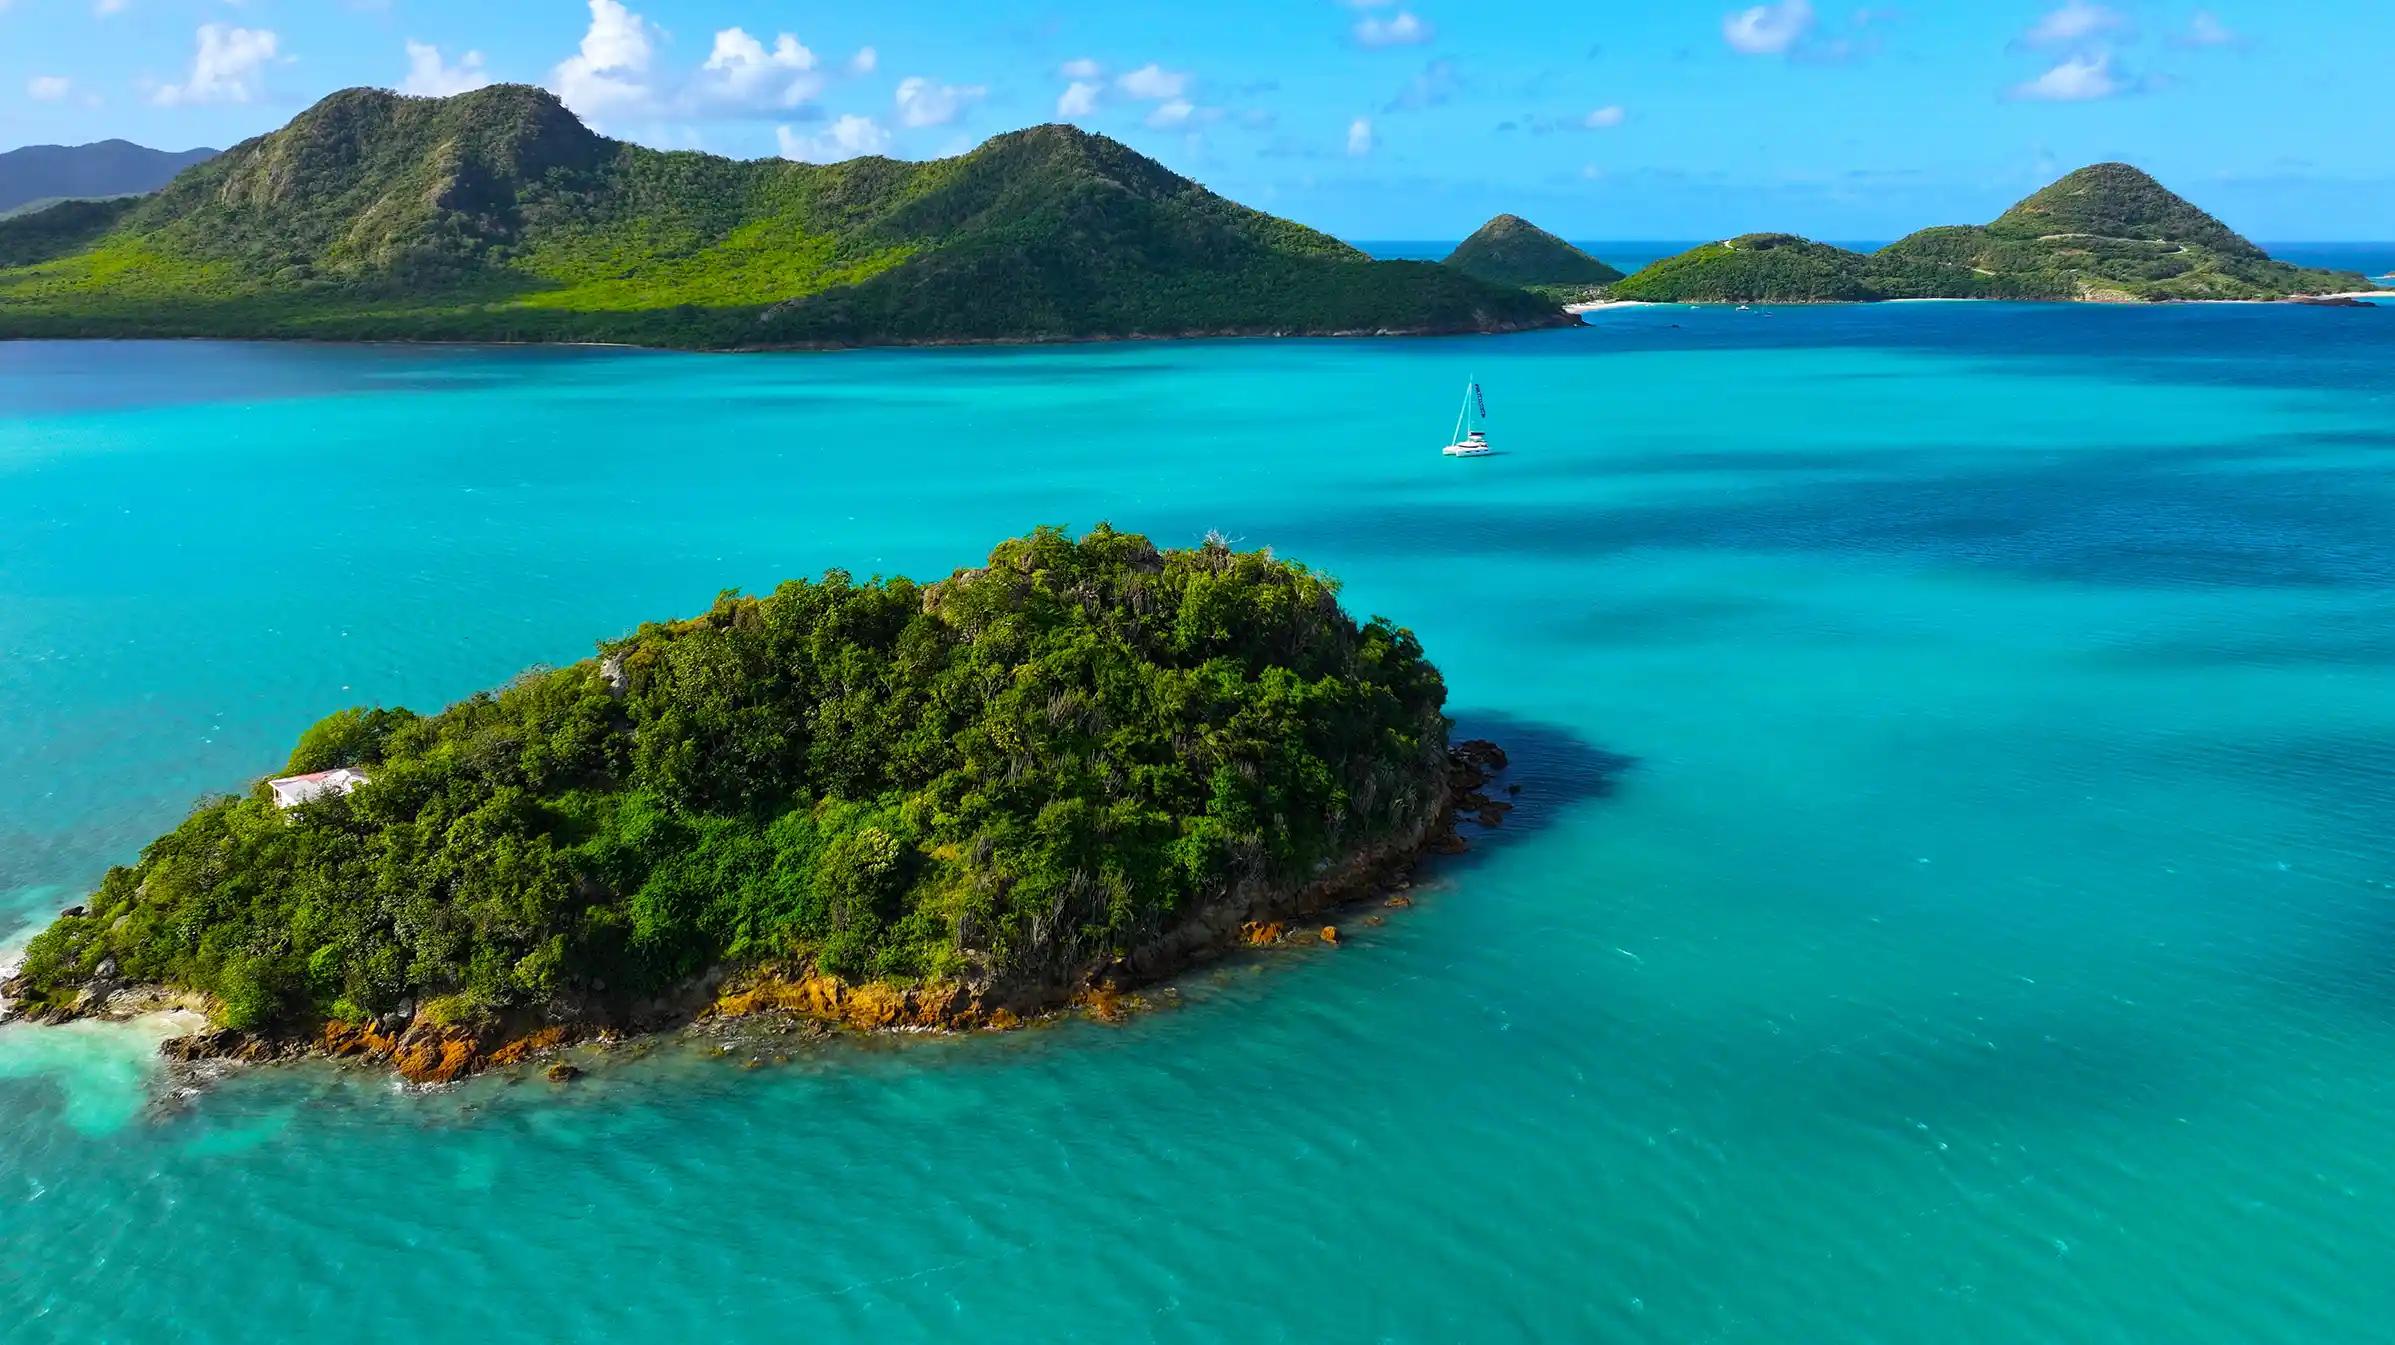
[(611, 68), (1174, 113), (1359, 136), (2078, 79), (1083, 69), (430, 77), (230, 66), (1608, 116), (865, 62), (1154, 83), (741, 72), (923, 102), (1079, 99), (2072, 23), (2206, 30), (1768, 29), (48, 88), (1402, 30), (104, 8), (1436, 83), (846, 138)]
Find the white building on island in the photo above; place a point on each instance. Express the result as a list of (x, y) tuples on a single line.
[(294, 790)]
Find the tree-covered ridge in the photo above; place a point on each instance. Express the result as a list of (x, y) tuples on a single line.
[(2105, 232), (1510, 250), (1001, 778), (497, 215), (1752, 268)]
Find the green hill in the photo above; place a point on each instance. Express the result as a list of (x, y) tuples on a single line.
[(976, 795), (1752, 268), (1510, 250), (2108, 232), (496, 215)]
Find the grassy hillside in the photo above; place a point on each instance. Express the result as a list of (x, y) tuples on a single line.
[(2108, 232), (1005, 779), (497, 215), (1510, 250)]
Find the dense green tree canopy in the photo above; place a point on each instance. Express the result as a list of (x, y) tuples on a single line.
[(1002, 776), (1510, 250)]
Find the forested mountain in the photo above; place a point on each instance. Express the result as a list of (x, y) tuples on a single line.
[(497, 214)]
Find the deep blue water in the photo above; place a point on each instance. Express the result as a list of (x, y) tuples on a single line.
[(1953, 897)]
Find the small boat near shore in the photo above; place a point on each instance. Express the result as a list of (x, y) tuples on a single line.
[(1471, 426)]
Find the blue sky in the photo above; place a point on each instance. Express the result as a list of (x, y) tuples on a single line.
[(1372, 118)]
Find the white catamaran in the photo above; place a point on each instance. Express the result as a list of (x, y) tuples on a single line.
[(1471, 434)]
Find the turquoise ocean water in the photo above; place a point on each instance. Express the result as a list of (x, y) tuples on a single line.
[(1953, 897)]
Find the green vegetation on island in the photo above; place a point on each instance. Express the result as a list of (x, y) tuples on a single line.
[(1510, 250), (1753, 268), (497, 215), (2107, 233), (1002, 781)]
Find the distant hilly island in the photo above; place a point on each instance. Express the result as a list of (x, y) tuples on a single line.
[(496, 215), (40, 175), (1510, 250), (2106, 233)]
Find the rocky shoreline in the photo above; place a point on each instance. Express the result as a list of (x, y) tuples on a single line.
[(423, 1051)]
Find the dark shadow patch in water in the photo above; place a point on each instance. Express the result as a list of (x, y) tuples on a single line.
[(2095, 514), (2343, 780), (2288, 346), (1000, 368), (2357, 639), (1554, 769), (1701, 462), (1641, 623)]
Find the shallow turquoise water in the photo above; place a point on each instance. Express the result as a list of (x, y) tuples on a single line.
[(1953, 897)]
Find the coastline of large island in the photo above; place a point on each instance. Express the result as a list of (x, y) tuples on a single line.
[(497, 216), (959, 805)]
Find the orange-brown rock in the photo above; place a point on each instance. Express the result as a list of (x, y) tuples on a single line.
[(343, 1039), (1262, 932), (442, 1055), (531, 1044), (1106, 1004), (1399, 901), (1330, 934), (875, 1005)]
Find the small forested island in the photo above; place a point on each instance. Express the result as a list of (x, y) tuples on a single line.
[(884, 803), (1510, 250), (2106, 233), (496, 215)]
